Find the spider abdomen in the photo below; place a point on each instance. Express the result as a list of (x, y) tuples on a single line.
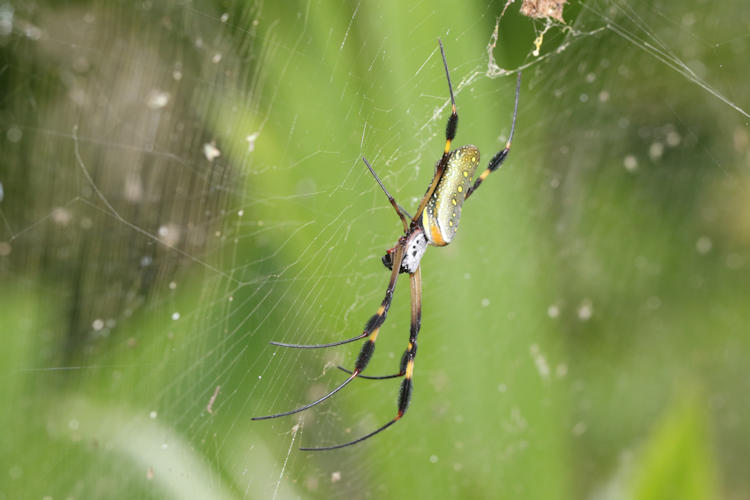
[(443, 210)]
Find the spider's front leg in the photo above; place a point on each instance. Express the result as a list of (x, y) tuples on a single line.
[(499, 158), (450, 134)]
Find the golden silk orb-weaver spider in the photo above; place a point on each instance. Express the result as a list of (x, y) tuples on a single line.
[(434, 223)]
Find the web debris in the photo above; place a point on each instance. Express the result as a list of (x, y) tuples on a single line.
[(540, 9)]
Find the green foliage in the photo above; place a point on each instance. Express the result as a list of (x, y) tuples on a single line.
[(599, 276), (677, 460)]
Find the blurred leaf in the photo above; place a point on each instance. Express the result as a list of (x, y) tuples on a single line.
[(677, 461)]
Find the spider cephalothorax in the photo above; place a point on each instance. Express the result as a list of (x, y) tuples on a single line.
[(434, 223), (415, 245)]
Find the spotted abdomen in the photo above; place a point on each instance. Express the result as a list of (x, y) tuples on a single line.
[(443, 211)]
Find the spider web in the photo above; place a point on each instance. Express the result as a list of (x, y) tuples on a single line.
[(181, 183)]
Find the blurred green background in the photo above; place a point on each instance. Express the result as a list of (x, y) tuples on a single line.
[(180, 183)]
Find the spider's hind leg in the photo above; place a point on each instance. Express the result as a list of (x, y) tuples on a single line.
[(371, 330), (411, 351), (376, 320), (401, 371)]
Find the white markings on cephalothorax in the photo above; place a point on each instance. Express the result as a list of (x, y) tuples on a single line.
[(416, 245)]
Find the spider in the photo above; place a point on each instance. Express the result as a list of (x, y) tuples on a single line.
[(434, 223)]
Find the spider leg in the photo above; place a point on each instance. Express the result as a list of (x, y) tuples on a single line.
[(359, 440), (450, 134), (411, 352), (376, 320), (380, 377), (403, 214), (371, 329), (499, 158), (310, 405), (416, 323), (319, 346)]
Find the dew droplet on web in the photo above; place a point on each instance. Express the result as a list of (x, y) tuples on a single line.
[(673, 138), (540, 361), (62, 216), (703, 245), (157, 99), (585, 310), (630, 162), (251, 141), (170, 234), (553, 311), (210, 151), (14, 134), (656, 150)]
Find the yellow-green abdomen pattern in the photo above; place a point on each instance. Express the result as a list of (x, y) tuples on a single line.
[(443, 211)]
